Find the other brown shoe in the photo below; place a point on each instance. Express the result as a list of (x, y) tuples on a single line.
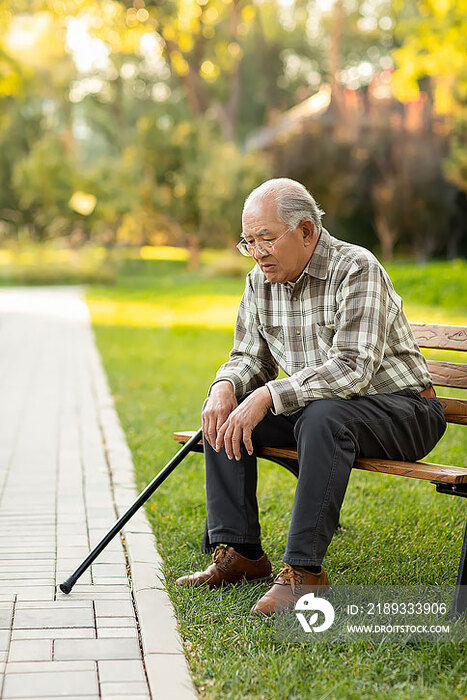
[(229, 567), (289, 585)]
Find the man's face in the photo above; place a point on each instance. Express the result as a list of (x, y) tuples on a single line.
[(292, 252)]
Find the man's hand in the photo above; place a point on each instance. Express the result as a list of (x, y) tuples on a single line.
[(219, 405), (241, 422)]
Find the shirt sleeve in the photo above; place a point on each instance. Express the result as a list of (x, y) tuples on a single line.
[(365, 312), (250, 364)]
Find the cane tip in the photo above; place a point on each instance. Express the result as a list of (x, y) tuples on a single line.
[(65, 587)]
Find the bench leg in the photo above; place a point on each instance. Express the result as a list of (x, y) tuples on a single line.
[(460, 597)]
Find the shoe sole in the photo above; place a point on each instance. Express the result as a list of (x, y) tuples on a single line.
[(223, 583), (257, 580), (243, 581)]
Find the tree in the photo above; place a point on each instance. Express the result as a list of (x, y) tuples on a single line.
[(432, 45), (196, 178)]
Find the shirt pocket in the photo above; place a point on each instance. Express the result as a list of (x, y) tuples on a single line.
[(274, 337), (324, 337)]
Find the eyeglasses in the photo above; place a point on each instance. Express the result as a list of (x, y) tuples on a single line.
[(264, 248)]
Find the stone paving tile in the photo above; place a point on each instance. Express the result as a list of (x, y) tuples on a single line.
[(62, 575), (31, 650), (108, 569), (105, 608), (49, 617), (23, 556), (161, 635), (126, 670), (44, 666), (124, 688), (120, 697), (47, 569), (50, 683), (26, 582), (66, 602), (53, 633), (6, 615), (109, 581), (4, 639), (45, 592), (68, 697), (169, 674), (106, 632), (105, 557), (96, 649), (89, 595), (115, 622)]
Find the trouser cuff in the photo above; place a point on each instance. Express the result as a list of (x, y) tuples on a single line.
[(223, 538), (295, 561)]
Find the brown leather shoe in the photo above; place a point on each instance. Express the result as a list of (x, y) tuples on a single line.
[(289, 585), (229, 567)]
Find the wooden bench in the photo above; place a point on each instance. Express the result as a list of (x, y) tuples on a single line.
[(448, 479)]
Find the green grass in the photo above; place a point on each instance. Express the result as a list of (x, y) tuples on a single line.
[(162, 334)]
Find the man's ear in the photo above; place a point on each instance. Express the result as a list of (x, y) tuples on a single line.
[(308, 229)]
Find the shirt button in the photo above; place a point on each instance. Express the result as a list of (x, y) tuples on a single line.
[(298, 332)]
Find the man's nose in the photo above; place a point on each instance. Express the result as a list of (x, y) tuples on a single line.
[(259, 254)]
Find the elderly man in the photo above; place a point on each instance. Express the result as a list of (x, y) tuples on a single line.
[(325, 312)]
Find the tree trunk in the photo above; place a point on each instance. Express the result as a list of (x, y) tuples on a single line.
[(386, 236), (194, 251), (334, 61)]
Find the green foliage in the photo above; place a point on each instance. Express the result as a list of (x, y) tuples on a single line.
[(43, 181), (202, 179), (146, 109), (432, 37), (385, 174)]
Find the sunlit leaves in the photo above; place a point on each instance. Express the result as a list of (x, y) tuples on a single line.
[(433, 44)]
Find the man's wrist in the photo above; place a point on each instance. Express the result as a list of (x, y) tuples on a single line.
[(265, 395), (222, 385)]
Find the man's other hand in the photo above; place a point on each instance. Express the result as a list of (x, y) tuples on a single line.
[(241, 422), (219, 405)]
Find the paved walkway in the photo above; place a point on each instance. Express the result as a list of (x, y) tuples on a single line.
[(65, 476)]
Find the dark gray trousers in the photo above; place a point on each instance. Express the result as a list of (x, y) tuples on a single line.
[(329, 435)]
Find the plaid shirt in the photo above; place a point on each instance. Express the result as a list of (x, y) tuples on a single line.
[(337, 332)]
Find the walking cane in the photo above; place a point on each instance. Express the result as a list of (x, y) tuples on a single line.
[(67, 585)]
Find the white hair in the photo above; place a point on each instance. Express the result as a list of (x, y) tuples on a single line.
[(294, 202)]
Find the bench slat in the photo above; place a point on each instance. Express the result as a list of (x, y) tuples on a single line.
[(430, 335), (452, 374), (414, 470), (455, 410)]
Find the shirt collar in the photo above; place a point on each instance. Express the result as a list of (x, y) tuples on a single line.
[(317, 266)]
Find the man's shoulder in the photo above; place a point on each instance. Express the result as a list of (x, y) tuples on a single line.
[(354, 262), (350, 257)]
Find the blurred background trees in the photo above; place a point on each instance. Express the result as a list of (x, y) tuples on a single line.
[(130, 123)]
